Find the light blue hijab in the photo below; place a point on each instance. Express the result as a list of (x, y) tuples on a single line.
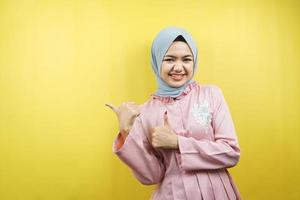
[(160, 46)]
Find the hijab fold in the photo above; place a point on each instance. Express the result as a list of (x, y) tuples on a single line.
[(160, 46)]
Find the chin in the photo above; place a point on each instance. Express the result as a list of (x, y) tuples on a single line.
[(177, 84)]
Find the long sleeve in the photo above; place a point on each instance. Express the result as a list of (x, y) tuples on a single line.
[(138, 154), (223, 152)]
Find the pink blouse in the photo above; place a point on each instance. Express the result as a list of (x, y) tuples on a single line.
[(207, 146)]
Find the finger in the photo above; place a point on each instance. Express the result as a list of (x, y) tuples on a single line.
[(133, 109), (154, 144), (137, 110), (136, 115), (133, 106), (133, 117), (151, 135), (166, 123), (151, 130), (114, 108)]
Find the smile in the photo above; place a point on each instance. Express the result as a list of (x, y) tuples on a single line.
[(177, 77)]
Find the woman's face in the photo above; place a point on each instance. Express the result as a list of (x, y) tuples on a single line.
[(177, 65)]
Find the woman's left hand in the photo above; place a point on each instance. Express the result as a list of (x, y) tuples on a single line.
[(164, 136)]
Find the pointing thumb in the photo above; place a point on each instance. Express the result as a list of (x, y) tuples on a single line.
[(166, 123), (114, 108)]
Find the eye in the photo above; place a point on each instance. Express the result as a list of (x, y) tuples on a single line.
[(187, 60), (168, 59)]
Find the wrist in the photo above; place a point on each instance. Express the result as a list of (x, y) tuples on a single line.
[(175, 143)]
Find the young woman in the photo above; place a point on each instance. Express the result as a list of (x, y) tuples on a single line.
[(183, 137)]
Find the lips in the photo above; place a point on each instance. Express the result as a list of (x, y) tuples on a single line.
[(177, 77)]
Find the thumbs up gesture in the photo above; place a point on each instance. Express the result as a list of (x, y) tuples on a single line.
[(164, 136), (126, 113)]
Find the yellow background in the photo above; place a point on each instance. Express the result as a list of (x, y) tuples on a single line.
[(61, 60)]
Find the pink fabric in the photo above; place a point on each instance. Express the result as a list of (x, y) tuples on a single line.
[(197, 170)]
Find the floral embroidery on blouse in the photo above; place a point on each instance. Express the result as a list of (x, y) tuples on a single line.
[(202, 113)]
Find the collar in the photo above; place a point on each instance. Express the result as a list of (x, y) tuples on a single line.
[(168, 99)]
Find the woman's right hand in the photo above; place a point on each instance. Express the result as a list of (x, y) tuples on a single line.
[(126, 113)]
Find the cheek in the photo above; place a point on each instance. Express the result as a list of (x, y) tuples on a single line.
[(190, 69), (165, 68)]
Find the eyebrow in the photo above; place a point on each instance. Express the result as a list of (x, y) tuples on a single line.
[(175, 56)]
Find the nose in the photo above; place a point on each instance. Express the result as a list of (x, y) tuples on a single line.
[(178, 67)]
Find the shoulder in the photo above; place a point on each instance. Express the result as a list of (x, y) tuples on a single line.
[(213, 93), (211, 89)]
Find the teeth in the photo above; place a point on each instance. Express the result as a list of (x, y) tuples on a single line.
[(177, 77)]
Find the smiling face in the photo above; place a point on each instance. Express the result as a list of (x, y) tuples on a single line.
[(177, 65)]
